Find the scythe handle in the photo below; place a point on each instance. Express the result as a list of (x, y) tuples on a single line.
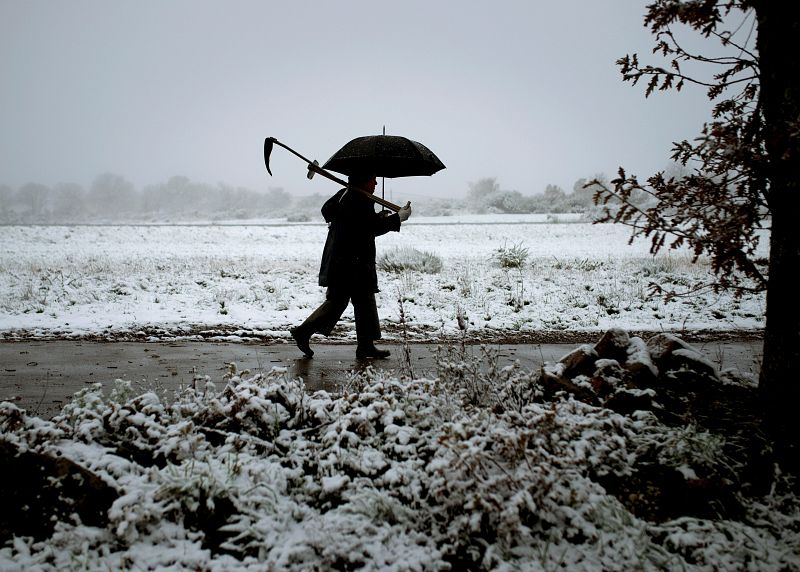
[(315, 168)]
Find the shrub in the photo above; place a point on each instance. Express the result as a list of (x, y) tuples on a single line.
[(406, 258), (656, 265), (512, 257), (298, 217)]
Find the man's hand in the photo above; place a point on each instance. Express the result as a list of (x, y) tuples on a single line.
[(405, 212)]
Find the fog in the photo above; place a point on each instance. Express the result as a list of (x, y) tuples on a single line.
[(149, 94), (112, 199)]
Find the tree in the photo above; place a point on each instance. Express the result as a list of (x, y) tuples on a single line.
[(34, 198), (480, 191), (506, 202), (69, 202), (276, 199), (554, 193), (745, 172), (6, 199), (112, 196)]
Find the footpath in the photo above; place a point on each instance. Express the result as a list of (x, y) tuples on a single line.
[(42, 376)]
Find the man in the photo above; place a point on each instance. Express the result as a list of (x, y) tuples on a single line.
[(348, 266)]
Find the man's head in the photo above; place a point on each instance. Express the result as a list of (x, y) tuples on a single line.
[(364, 181)]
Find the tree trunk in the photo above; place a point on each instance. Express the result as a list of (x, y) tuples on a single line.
[(779, 55)]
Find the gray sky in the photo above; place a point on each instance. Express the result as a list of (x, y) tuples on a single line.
[(526, 91)]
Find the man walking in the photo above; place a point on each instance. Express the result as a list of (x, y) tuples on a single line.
[(348, 266)]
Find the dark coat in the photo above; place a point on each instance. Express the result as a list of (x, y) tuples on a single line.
[(348, 260)]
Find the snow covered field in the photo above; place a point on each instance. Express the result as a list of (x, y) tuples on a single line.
[(481, 468), (241, 281)]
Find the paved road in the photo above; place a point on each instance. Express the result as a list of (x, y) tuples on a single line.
[(41, 376)]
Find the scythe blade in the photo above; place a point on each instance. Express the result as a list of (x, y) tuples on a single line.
[(268, 151)]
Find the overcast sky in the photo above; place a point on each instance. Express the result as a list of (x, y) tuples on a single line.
[(526, 91)]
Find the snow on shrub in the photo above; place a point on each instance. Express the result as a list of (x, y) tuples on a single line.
[(405, 258), (472, 470), (513, 256)]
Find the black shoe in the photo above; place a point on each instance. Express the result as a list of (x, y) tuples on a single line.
[(301, 339), (371, 352)]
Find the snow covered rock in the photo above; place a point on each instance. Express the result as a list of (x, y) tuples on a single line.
[(639, 363), (663, 344), (613, 345), (620, 370), (607, 376), (693, 361), (579, 361)]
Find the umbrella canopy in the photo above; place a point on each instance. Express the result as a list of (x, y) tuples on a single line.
[(384, 156)]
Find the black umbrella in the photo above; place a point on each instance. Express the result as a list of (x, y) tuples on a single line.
[(384, 156)]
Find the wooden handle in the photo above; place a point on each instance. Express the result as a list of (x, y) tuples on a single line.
[(316, 169), (313, 167)]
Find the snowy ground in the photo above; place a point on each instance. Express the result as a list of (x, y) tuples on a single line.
[(480, 468), (258, 280), (387, 475)]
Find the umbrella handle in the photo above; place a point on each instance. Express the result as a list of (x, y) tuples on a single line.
[(313, 167)]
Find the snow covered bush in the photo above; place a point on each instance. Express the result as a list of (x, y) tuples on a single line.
[(513, 256), (405, 258), (485, 467)]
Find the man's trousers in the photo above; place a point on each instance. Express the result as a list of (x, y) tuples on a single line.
[(325, 317)]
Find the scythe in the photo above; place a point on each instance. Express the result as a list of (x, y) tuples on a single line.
[(313, 167)]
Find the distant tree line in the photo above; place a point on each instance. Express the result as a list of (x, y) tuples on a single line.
[(112, 198), (486, 196)]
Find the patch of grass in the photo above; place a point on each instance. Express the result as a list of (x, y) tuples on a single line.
[(514, 256), (663, 265), (579, 264), (405, 258)]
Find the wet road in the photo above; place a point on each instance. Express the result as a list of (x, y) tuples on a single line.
[(41, 376)]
